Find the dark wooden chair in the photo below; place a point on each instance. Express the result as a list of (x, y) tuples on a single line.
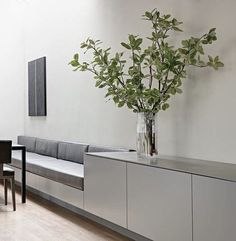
[(7, 174)]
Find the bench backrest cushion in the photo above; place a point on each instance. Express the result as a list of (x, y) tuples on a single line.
[(46, 147), (73, 152), (94, 148), (28, 141)]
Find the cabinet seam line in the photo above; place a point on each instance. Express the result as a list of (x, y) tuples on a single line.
[(192, 203)]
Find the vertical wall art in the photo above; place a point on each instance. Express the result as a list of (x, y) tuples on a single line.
[(37, 87)]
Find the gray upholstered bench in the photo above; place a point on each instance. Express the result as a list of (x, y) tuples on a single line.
[(58, 161)]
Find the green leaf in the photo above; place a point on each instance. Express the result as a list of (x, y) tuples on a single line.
[(74, 63), (179, 91), (220, 64), (156, 16), (210, 58), (185, 43), (174, 21), (102, 85), (216, 59), (107, 94), (76, 57), (200, 50), (148, 15), (165, 106), (212, 30), (183, 51), (193, 61), (138, 42), (125, 45), (131, 39), (121, 104), (173, 91), (91, 41), (177, 29), (167, 16), (83, 45), (129, 105), (98, 83), (116, 99)]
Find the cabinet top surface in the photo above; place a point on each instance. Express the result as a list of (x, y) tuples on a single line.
[(220, 170)]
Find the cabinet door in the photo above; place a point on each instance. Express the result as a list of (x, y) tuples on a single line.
[(105, 189), (159, 203), (214, 209)]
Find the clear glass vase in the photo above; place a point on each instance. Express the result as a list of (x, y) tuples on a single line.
[(147, 135)]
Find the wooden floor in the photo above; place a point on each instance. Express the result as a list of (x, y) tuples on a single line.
[(40, 220)]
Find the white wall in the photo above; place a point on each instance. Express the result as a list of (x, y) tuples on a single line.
[(199, 124), (12, 79)]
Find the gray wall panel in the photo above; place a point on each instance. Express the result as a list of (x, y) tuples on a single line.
[(31, 88), (37, 87)]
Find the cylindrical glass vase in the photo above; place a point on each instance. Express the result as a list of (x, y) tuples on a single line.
[(147, 134)]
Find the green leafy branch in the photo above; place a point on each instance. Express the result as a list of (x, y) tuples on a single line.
[(155, 72)]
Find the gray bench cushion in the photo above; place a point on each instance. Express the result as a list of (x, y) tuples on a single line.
[(46, 147), (68, 173), (94, 148), (28, 142), (72, 151)]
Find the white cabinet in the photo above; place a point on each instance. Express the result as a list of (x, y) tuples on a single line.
[(159, 203), (105, 188), (214, 209)]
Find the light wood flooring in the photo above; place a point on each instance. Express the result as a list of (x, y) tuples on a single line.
[(40, 220)]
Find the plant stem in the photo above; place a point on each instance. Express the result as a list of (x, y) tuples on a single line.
[(151, 77), (133, 57), (165, 82)]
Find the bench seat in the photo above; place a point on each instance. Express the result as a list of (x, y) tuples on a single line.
[(68, 173)]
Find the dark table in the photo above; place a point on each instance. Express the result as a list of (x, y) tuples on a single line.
[(16, 147)]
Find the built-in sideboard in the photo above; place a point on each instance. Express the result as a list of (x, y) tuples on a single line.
[(167, 199)]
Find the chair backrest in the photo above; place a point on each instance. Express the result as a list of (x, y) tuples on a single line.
[(5, 153)]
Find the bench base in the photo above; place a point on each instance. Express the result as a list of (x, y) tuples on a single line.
[(58, 190)]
